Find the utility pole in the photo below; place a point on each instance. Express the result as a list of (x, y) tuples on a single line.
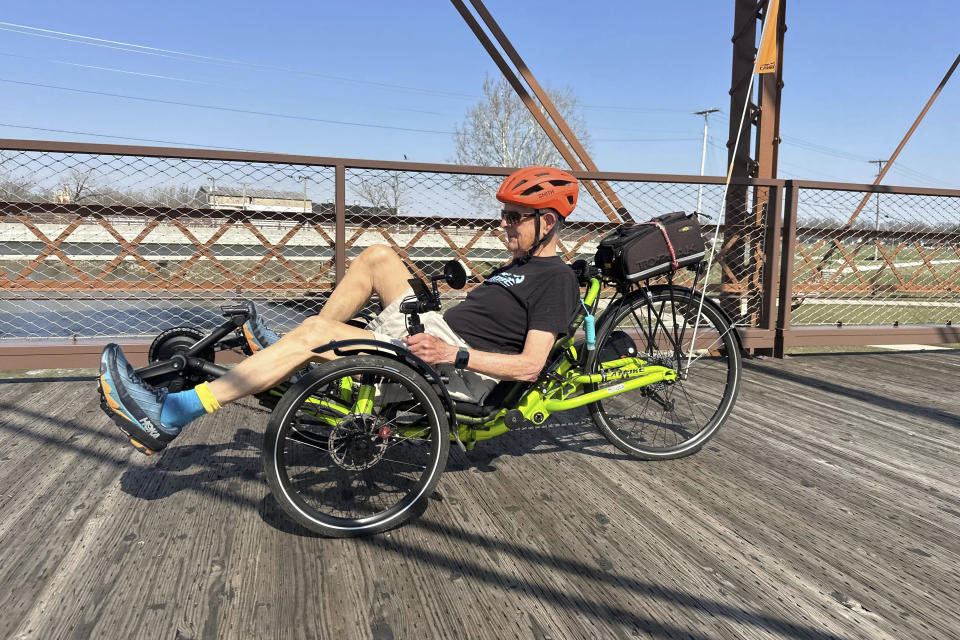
[(703, 153), (876, 223), (301, 177), (305, 178)]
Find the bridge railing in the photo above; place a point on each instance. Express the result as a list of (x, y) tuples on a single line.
[(869, 265), (107, 242)]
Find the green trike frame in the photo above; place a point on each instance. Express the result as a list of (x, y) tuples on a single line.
[(661, 378), (566, 387)]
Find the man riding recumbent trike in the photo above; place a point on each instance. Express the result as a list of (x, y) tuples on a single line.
[(357, 441)]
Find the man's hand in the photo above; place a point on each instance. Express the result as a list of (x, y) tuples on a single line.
[(431, 349)]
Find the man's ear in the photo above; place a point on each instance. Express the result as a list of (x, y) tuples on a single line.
[(548, 219)]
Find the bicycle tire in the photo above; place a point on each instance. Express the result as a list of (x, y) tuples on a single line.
[(325, 478), (668, 420)]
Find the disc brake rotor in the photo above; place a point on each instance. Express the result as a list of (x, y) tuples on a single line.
[(356, 442)]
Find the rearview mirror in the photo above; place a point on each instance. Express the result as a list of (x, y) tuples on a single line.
[(455, 274)]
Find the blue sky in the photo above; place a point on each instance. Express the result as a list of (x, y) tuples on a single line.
[(856, 75)]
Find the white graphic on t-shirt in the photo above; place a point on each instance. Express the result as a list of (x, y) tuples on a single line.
[(506, 279)]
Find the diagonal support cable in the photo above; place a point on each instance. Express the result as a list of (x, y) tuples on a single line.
[(769, 18)]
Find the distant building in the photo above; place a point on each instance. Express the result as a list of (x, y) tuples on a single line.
[(247, 199)]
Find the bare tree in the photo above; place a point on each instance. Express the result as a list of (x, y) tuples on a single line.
[(500, 131), (171, 196), (16, 188), (382, 191), (80, 186)]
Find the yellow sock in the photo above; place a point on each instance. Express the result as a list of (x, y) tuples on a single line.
[(210, 403)]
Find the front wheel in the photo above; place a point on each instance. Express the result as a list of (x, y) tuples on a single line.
[(356, 446), (668, 419)]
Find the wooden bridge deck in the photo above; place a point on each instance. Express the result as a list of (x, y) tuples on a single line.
[(829, 507)]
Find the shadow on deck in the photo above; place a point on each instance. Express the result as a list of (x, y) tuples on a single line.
[(826, 508)]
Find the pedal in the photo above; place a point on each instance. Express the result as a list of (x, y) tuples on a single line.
[(233, 310)]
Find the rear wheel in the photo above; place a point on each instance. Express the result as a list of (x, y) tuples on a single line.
[(343, 472), (675, 418)]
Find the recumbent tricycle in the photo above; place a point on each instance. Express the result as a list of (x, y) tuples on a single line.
[(357, 444)]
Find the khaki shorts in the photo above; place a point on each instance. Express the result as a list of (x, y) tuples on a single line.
[(390, 326)]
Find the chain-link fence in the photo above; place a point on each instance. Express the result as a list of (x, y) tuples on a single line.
[(97, 245), (431, 217), (884, 258), (104, 242)]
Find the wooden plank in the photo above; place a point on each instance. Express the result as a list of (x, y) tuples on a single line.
[(826, 508)]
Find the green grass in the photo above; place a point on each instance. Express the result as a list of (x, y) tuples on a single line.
[(906, 314)]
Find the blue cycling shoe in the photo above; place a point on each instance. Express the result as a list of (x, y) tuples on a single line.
[(256, 332), (133, 405)]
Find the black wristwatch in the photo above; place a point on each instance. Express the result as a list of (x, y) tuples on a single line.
[(463, 357)]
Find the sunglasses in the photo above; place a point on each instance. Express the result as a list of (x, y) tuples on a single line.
[(514, 217)]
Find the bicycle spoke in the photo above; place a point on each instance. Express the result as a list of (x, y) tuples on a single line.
[(361, 472), (674, 417), (409, 464)]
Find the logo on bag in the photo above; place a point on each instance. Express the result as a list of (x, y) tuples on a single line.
[(506, 279)]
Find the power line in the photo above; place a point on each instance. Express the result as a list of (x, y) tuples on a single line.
[(228, 109), (643, 139), (42, 35), (846, 155), (202, 59), (594, 107), (162, 77), (830, 151), (111, 69), (104, 135)]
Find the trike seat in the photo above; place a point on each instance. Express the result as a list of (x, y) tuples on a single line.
[(505, 393)]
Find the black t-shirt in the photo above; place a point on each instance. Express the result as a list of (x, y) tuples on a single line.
[(541, 294)]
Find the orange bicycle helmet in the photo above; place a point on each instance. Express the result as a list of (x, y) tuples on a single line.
[(540, 188)]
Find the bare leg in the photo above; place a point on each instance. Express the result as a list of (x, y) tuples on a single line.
[(377, 269), (274, 364)]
